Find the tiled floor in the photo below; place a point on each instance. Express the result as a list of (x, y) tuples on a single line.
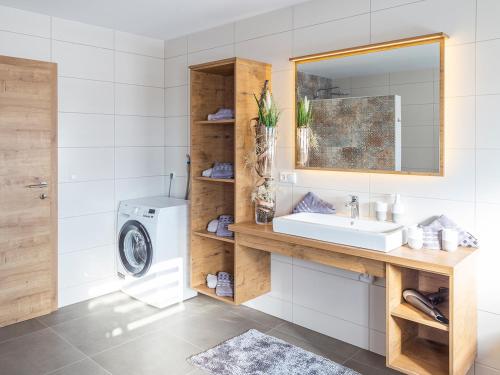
[(115, 334)]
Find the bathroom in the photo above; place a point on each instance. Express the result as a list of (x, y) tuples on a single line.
[(124, 133)]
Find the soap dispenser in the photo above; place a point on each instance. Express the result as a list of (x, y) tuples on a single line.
[(397, 210)]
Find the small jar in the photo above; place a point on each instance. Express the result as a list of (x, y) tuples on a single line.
[(449, 238), (381, 211), (415, 237)]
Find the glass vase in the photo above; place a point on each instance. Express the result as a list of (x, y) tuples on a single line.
[(265, 149), (302, 145), (265, 202)]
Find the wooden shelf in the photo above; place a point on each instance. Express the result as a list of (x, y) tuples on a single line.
[(423, 357), (408, 312), (207, 234), (203, 289), (210, 179), (216, 122)]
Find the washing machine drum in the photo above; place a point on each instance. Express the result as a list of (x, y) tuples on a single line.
[(136, 250)]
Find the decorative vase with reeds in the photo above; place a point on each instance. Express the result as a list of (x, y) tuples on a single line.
[(264, 195)]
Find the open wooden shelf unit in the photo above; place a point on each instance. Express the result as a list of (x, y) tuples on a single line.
[(228, 83)]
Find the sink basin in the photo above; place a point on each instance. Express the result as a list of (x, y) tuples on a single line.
[(368, 234)]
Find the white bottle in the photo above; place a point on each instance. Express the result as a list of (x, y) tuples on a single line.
[(397, 210)]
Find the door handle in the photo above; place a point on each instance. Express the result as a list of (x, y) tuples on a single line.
[(40, 185)]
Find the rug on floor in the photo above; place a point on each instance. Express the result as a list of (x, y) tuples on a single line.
[(254, 353)]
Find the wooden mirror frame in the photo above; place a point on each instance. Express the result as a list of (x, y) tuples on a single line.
[(378, 47)]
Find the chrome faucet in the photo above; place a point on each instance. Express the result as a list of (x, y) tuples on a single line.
[(354, 206)]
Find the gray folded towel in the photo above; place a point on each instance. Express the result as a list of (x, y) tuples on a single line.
[(432, 234), (222, 170), (225, 284), (312, 203), (221, 114), (224, 221)]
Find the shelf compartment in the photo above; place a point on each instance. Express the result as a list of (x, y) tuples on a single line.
[(210, 179), (215, 122), (423, 357), (207, 234), (408, 312), (203, 289)]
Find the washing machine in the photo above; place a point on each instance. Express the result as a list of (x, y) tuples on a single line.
[(152, 252)]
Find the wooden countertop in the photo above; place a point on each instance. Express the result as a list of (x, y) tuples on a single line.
[(429, 260)]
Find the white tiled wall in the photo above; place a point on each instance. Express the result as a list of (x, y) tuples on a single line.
[(111, 134), (469, 192)]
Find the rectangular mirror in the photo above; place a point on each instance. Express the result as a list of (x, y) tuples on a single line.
[(376, 108)]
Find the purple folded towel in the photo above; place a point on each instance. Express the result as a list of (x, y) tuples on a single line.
[(222, 170), (312, 203)]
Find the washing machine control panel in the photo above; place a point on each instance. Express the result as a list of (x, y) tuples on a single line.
[(149, 213)]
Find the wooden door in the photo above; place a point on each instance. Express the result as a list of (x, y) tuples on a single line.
[(28, 189)]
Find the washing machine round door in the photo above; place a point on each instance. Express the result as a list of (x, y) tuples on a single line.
[(136, 250)]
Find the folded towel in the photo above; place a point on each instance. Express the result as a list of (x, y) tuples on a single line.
[(213, 225), (221, 114), (207, 172), (211, 281), (224, 221), (222, 170), (312, 203), (432, 234), (225, 284)]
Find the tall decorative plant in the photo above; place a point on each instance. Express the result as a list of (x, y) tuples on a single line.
[(264, 195), (304, 133)]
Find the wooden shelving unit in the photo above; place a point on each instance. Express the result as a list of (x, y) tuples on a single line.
[(228, 83)]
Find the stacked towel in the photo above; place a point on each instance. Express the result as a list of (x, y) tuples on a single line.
[(221, 114), (222, 170), (312, 203), (225, 284), (224, 221), (432, 234)]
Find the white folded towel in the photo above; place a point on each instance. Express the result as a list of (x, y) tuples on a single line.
[(211, 281)]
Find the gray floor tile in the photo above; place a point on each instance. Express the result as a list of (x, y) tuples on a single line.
[(370, 358), (336, 348), (100, 331), (365, 369), (265, 320), (85, 367), (36, 353), (311, 346), (101, 304), (20, 329), (153, 354), (212, 328)]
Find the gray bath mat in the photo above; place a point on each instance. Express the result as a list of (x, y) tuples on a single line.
[(254, 353)]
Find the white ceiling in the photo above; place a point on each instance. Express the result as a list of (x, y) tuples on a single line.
[(162, 19)]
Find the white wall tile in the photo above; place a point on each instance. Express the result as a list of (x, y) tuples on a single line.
[(460, 130), (20, 21), (307, 292), (24, 46), (80, 61), (70, 295), (85, 198), (86, 130), (377, 308), (178, 189), (175, 160), (331, 326), (274, 49), (333, 35), (212, 54), (176, 101), (426, 17), (284, 199), (325, 269), (488, 332), (85, 232), (281, 280), (383, 4), (286, 128), (85, 266), (176, 47), (460, 67), (488, 177), (272, 306), (132, 188), (487, 19), (139, 44), (139, 131), (86, 164), (264, 24), (417, 136), (83, 96), (377, 342), (138, 100), (414, 93), (488, 76), (139, 161), (176, 72), (343, 181), (139, 70), (177, 131), (487, 115), (282, 87), (215, 37), (77, 32), (319, 11), (485, 370)]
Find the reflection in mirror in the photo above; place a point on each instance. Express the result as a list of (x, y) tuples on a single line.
[(377, 111)]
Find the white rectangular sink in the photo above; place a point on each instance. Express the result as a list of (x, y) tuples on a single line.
[(368, 234)]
